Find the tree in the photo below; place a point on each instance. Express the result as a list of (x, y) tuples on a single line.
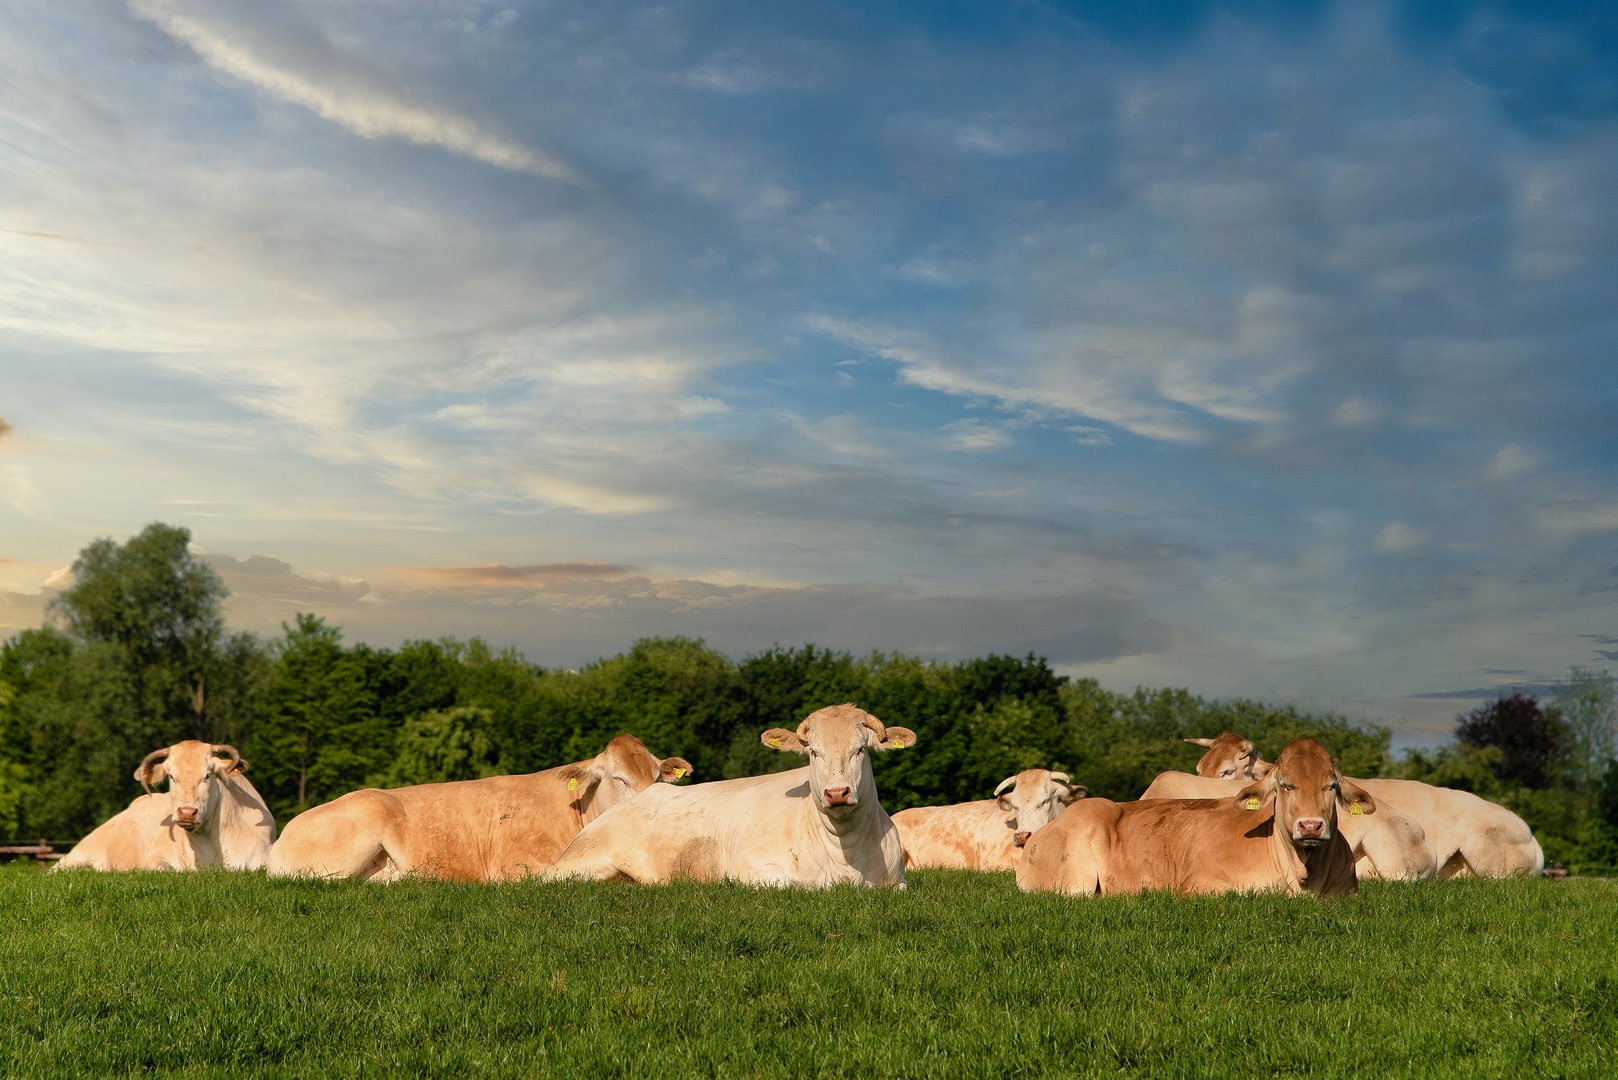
[(321, 735), (154, 601), (1589, 706), (1531, 739), (440, 746)]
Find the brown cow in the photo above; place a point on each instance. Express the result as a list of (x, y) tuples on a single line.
[(211, 815), (1470, 835), (493, 829), (987, 834), (1387, 846), (1278, 834)]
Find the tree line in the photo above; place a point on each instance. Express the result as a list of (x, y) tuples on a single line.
[(135, 655)]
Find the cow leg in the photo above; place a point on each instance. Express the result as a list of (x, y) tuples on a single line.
[(359, 835)]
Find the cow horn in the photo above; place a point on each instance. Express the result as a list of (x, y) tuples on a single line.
[(146, 763), (1061, 778), (877, 726), (236, 763), (1007, 782)]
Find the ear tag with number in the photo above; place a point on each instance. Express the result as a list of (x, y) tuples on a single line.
[(776, 743), (1252, 802), (1357, 810), (681, 772), (573, 783), (896, 746)]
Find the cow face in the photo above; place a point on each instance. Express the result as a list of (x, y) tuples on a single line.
[(1036, 797), (620, 772), (193, 770), (1307, 792), (838, 742), (1230, 757)]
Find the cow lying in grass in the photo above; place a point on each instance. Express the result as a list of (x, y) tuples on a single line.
[(1470, 835), (210, 816), (1279, 833), (987, 834), (1387, 846), (814, 826), (492, 829)]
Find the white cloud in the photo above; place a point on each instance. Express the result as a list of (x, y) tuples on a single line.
[(346, 95), (1400, 539)]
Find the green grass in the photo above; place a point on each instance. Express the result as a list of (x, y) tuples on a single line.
[(233, 975)]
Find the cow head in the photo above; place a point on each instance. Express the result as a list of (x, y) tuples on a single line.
[(838, 741), (1230, 757), (1035, 798), (619, 773), (1306, 789), (193, 770)]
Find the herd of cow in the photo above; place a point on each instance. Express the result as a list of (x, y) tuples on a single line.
[(1294, 825)]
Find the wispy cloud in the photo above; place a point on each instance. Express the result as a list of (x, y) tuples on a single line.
[(341, 91)]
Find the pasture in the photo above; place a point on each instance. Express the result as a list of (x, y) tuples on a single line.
[(230, 975)]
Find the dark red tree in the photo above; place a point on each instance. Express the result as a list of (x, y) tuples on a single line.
[(1530, 738)]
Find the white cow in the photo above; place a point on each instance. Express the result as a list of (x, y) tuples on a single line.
[(210, 816), (987, 834), (813, 827)]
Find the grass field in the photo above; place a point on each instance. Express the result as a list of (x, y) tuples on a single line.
[(232, 975)]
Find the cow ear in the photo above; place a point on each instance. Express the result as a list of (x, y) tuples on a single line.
[(671, 769), (580, 777), (1355, 799), (1255, 796), (1199, 742), (779, 738), (897, 738), (1075, 792), (154, 774)]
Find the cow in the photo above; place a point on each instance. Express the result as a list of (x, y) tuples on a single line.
[(1470, 835), (987, 834), (1276, 834), (211, 816), (1389, 846), (813, 827), (494, 829)]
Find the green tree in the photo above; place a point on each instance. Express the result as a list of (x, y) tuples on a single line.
[(440, 746), (1588, 702), (321, 735), (153, 600)]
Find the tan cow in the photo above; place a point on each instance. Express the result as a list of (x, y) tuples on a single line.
[(815, 826), (987, 834), (1278, 834), (1387, 846), (493, 829), (1470, 835), (210, 816)]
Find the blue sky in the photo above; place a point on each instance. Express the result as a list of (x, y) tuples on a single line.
[(1267, 349)]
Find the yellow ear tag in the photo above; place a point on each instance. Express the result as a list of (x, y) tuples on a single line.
[(681, 772), (1357, 810), (776, 743), (573, 783), (896, 746), (1252, 802)]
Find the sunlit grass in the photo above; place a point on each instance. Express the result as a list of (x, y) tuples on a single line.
[(961, 975)]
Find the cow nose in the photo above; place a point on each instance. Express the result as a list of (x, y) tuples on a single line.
[(838, 796), (1311, 827), (1021, 837), (186, 813)]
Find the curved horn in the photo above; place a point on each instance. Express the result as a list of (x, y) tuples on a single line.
[(236, 763), (877, 726), (1061, 778), (1007, 782), (145, 764)]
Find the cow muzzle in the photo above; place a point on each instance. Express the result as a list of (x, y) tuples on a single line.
[(186, 817), (1309, 831), (840, 796), (1021, 836)]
